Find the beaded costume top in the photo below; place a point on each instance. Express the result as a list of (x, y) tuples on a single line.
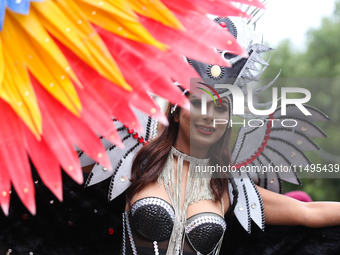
[(154, 220)]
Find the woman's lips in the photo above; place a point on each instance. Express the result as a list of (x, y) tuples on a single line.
[(205, 129)]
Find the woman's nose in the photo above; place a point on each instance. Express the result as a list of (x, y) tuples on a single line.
[(210, 112)]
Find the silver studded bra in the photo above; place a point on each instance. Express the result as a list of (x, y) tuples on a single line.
[(152, 219)]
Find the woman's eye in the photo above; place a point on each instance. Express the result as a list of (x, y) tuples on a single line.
[(221, 108), (196, 103)]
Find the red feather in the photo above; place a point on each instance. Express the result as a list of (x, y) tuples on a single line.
[(192, 44), (202, 28), (45, 162), (255, 3), (138, 56), (221, 8), (54, 134), (5, 187), (14, 158)]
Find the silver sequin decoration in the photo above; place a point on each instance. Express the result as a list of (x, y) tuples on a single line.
[(153, 201), (155, 247), (124, 244), (132, 242), (205, 219)]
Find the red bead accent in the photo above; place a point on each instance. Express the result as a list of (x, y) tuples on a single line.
[(70, 223), (141, 140), (135, 135), (126, 126), (271, 117), (145, 142), (261, 148), (258, 153), (267, 137), (268, 131), (130, 130), (24, 216), (223, 24), (269, 124), (253, 157), (264, 143), (249, 160), (111, 231)]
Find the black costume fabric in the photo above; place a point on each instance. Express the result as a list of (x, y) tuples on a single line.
[(86, 224), (149, 223)]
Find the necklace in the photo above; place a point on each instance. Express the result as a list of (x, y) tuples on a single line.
[(197, 189)]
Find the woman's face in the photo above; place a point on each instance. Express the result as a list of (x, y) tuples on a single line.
[(199, 129)]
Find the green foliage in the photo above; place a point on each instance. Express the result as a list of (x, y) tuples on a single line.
[(319, 61)]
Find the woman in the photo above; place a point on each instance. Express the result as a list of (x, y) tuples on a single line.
[(171, 208)]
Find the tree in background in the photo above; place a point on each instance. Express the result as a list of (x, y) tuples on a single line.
[(320, 61)]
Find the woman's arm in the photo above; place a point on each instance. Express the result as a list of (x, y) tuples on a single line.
[(283, 210)]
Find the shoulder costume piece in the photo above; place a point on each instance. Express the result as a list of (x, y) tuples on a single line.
[(264, 145)]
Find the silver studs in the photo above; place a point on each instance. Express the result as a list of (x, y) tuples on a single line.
[(62, 77), (104, 169), (31, 253), (253, 205), (95, 210), (123, 178), (293, 154), (27, 93), (51, 202), (51, 85), (18, 1), (155, 245), (68, 29), (272, 180), (36, 182), (19, 104), (303, 129), (153, 201), (205, 219), (299, 142), (240, 208)]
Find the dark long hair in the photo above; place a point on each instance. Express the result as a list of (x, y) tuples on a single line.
[(152, 157)]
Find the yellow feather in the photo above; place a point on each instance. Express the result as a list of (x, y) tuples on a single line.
[(17, 91), (31, 24), (119, 8), (43, 66), (2, 64), (113, 22), (67, 31), (155, 10)]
